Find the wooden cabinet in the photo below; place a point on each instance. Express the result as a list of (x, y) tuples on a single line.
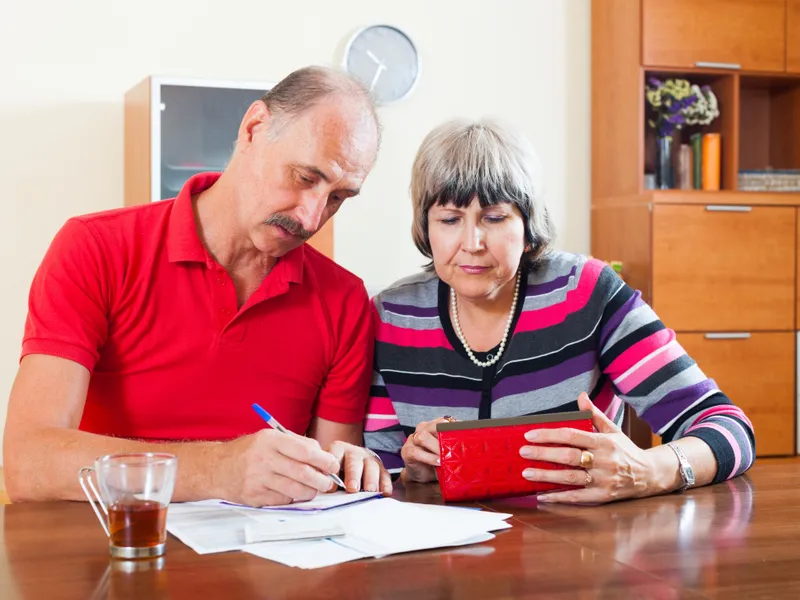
[(757, 373), (688, 33), (724, 268), (723, 264), (793, 36)]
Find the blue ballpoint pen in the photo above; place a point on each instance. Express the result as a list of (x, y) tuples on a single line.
[(273, 422)]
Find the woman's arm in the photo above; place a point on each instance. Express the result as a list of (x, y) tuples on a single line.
[(650, 371), (382, 432), (646, 368)]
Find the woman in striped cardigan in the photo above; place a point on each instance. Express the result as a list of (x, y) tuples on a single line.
[(501, 325)]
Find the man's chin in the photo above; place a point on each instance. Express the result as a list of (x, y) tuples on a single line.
[(279, 248)]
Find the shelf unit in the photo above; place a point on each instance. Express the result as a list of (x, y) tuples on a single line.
[(719, 267), (177, 127)]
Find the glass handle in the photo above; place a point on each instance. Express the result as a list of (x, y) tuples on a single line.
[(85, 478)]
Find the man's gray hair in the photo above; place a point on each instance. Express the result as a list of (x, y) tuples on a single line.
[(307, 87), (462, 159)]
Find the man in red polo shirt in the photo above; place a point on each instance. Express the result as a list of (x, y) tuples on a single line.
[(157, 327)]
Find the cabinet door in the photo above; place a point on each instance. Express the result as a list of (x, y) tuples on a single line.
[(724, 268), (793, 36), (683, 33), (757, 373)]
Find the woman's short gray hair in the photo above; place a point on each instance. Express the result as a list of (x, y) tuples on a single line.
[(462, 159)]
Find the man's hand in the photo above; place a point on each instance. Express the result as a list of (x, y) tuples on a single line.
[(363, 470), (270, 467)]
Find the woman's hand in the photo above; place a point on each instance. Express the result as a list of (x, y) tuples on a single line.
[(619, 468), (421, 452)]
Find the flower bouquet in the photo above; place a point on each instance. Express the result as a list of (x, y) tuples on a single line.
[(675, 103)]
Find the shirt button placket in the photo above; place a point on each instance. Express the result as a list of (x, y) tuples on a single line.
[(221, 296)]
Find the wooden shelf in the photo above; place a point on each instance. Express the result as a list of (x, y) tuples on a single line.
[(769, 122), (723, 197), (703, 197), (708, 271)]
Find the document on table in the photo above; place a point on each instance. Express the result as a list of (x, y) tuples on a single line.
[(362, 529), (321, 503)]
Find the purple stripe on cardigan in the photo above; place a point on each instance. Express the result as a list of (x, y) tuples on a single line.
[(390, 461), (675, 403), (632, 303), (424, 396), (537, 380), (540, 289), (411, 311)]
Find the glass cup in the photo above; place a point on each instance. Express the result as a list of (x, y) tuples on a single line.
[(133, 491)]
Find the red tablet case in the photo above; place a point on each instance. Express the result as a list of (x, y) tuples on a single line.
[(481, 460)]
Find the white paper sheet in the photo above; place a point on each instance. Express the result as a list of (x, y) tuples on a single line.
[(374, 528), (321, 503)]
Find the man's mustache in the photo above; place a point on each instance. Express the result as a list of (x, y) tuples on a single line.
[(289, 225)]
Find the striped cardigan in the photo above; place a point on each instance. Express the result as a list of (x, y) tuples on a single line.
[(578, 327)]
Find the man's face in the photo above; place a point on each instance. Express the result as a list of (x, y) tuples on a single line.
[(291, 183)]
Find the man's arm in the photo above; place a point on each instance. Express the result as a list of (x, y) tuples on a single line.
[(43, 448)]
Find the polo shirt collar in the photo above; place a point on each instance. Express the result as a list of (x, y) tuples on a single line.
[(183, 241), (293, 264)]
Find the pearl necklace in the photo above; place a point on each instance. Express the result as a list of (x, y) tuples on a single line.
[(457, 326)]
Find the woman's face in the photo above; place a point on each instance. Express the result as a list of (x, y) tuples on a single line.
[(476, 251)]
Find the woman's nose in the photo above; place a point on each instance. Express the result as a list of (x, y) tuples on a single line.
[(473, 239)]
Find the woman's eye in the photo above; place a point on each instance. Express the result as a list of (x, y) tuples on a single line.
[(449, 220), (496, 218)]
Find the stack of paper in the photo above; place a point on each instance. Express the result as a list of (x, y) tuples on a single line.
[(342, 528)]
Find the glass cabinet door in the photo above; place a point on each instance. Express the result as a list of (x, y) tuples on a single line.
[(198, 129)]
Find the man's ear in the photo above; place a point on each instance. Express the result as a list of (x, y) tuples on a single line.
[(257, 118)]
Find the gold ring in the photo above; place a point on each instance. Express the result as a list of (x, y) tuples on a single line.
[(587, 459), (588, 479)]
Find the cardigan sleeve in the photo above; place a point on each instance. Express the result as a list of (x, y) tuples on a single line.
[(651, 372), (382, 431)]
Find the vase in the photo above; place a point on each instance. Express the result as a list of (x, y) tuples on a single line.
[(665, 173)]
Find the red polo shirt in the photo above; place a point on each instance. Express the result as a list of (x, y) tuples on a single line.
[(134, 296)]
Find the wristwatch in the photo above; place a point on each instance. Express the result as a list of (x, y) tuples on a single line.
[(685, 469)]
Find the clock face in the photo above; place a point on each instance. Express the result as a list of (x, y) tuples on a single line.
[(385, 60)]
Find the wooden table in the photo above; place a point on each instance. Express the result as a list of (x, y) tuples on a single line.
[(735, 540)]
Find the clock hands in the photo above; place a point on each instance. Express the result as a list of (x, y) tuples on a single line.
[(381, 68)]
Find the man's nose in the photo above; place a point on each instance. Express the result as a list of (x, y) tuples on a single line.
[(310, 211)]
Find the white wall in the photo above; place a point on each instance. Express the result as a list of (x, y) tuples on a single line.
[(65, 67)]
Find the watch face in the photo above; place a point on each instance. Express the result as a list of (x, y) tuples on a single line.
[(385, 60)]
